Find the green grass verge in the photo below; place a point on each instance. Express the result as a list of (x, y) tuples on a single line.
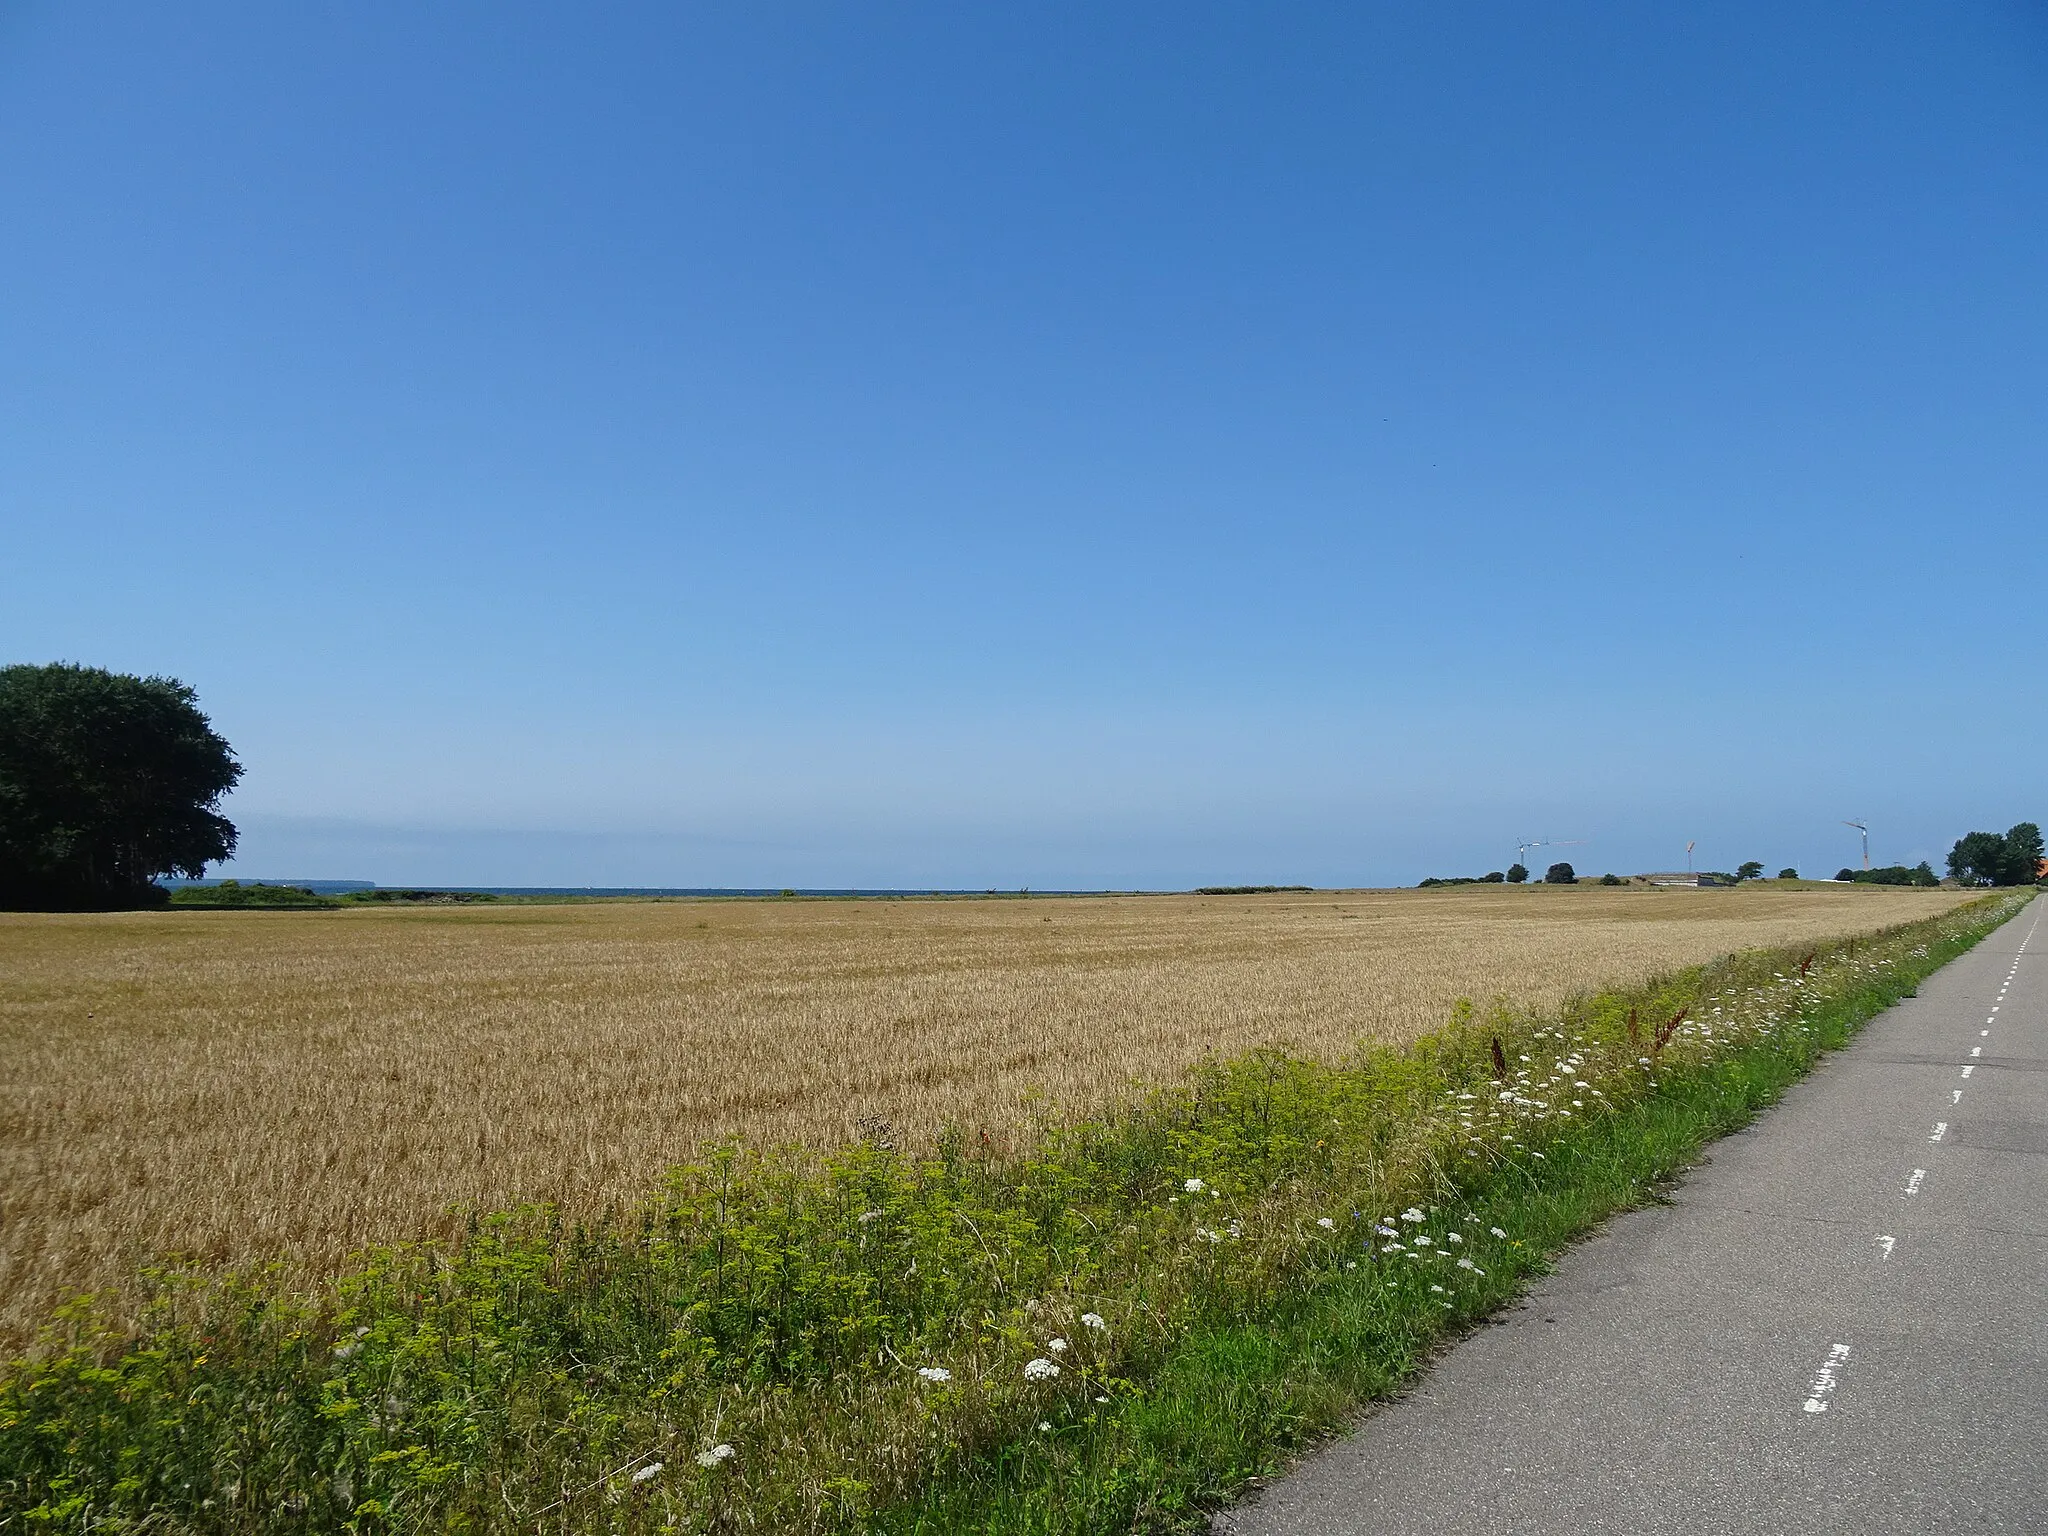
[(1112, 1332)]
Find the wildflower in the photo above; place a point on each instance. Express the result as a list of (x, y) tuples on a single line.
[(1412, 1214), (1057, 1346), (1438, 1289), (1422, 1242), (1044, 1426), (1496, 1231), (1194, 1186), (1454, 1237), (1209, 1233), (1466, 1264), (714, 1456), (1386, 1231), (1093, 1320), (652, 1469), (1396, 1248), (1326, 1223), (1040, 1369), (934, 1373), (1102, 1399)]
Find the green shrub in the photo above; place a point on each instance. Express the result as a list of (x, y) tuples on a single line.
[(232, 893)]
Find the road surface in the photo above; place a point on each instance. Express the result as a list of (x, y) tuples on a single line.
[(1840, 1324)]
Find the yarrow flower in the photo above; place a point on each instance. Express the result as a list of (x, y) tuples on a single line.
[(1093, 1320), (1326, 1223), (1057, 1346), (1413, 1214), (652, 1469), (1040, 1369), (714, 1456), (1194, 1186), (1496, 1231), (934, 1373)]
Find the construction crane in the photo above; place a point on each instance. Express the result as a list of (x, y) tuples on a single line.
[(1860, 827)]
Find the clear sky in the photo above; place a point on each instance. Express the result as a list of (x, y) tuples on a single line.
[(1065, 446)]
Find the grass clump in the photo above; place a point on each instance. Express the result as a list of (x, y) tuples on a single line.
[(1109, 1332)]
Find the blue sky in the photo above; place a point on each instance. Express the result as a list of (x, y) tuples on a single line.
[(1062, 446)]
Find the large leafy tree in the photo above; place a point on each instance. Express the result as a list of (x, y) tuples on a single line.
[(1986, 858), (107, 782), (2023, 854)]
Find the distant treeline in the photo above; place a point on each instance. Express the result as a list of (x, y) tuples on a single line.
[(1896, 874), (1247, 890), (232, 893)]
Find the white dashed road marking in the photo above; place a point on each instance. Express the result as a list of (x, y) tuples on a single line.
[(1885, 1245), (1913, 1184), (1824, 1379), (1940, 1130)]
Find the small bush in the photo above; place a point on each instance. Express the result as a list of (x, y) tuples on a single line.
[(1788, 874), (1560, 873)]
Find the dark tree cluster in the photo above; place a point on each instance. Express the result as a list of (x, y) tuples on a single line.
[(1986, 858), (107, 784), (1894, 874)]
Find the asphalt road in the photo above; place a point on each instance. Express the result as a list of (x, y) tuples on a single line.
[(1839, 1325)]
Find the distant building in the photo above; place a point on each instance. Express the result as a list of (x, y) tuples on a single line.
[(1684, 877)]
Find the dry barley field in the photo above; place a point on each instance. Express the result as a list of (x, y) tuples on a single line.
[(233, 1085)]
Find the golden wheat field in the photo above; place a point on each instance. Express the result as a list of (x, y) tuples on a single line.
[(232, 1085)]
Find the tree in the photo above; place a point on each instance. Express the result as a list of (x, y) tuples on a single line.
[(1788, 873), (1978, 858), (1517, 873), (1753, 870), (1560, 873), (2023, 854), (107, 782)]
